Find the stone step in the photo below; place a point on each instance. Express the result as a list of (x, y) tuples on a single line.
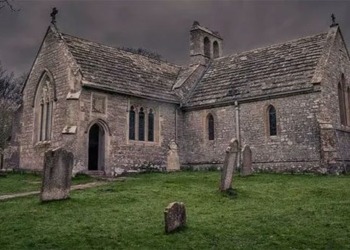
[(95, 173)]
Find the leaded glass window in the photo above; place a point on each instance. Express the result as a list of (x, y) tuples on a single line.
[(44, 109), (210, 122), (48, 121), (272, 121), (41, 136), (141, 125), (150, 125), (132, 123)]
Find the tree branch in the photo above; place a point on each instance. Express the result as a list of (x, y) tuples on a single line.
[(6, 3)]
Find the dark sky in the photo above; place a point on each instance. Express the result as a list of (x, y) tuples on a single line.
[(163, 26)]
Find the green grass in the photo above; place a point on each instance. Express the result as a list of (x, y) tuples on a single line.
[(19, 182), (269, 212)]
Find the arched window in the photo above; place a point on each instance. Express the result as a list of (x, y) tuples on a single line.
[(272, 121), (43, 109), (210, 124), (150, 125), (216, 49), (132, 123), (342, 110), (141, 125), (207, 47), (348, 102)]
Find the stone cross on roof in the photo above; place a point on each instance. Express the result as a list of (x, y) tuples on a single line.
[(333, 21), (53, 15)]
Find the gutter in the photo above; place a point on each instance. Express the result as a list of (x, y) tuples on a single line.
[(87, 84), (253, 99)]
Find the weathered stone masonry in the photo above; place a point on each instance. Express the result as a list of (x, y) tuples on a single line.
[(120, 151), (296, 146), (98, 85), (52, 57)]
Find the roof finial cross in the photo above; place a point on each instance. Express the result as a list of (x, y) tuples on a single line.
[(333, 21), (53, 15)]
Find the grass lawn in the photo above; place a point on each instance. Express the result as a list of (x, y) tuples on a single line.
[(270, 212), (19, 183)]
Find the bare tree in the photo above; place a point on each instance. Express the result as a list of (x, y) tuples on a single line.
[(7, 4), (144, 52), (10, 100)]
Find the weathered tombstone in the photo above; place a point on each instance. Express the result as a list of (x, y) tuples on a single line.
[(174, 216), (58, 166), (247, 161), (230, 163), (173, 162)]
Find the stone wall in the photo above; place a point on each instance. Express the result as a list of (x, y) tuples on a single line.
[(309, 134), (120, 152), (336, 63), (295, 148), (53, 57), (73, 115)]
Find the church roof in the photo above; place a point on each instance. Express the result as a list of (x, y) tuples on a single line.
[(275, 69), (117, 70)]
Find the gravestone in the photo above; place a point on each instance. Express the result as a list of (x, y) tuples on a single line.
[(58, 166), (229, 165), (247, 161), (174, 216), (173, 161)]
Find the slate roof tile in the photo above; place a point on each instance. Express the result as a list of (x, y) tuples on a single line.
[(277, 68), (124, 71)]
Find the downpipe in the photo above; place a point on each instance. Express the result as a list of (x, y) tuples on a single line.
[(238, 134)]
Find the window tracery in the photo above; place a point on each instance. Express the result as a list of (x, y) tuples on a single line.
[(142, 124), (44, 109)]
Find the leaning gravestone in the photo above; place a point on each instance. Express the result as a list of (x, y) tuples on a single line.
[(58, 165), (174, 216), (173, 162), (247, 161), (230, 163)]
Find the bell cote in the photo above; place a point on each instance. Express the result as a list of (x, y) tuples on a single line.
[(205, 44)]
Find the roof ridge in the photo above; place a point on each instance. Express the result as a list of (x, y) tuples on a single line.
[(270, 46), (120, 49)]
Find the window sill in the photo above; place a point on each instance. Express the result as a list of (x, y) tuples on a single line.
[(42, 144), (209, 141), (147, 143), (272, 137)]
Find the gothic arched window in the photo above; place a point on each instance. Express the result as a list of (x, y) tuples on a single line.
[(272, 120), (210, 124), (348, 102), (216, 49), (43, 109), (345, 100), (132, 123), (342, 108), (141, 125), (150, 125), (206, 47)]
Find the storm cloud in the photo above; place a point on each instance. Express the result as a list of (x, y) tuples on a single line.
[(163, 26)]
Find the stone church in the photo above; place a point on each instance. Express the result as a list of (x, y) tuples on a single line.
[(118, 111)]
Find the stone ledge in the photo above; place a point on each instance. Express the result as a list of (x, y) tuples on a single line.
[(69, 130), (73, 96)]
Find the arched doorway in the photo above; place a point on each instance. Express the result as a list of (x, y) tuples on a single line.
[(96, 148)]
